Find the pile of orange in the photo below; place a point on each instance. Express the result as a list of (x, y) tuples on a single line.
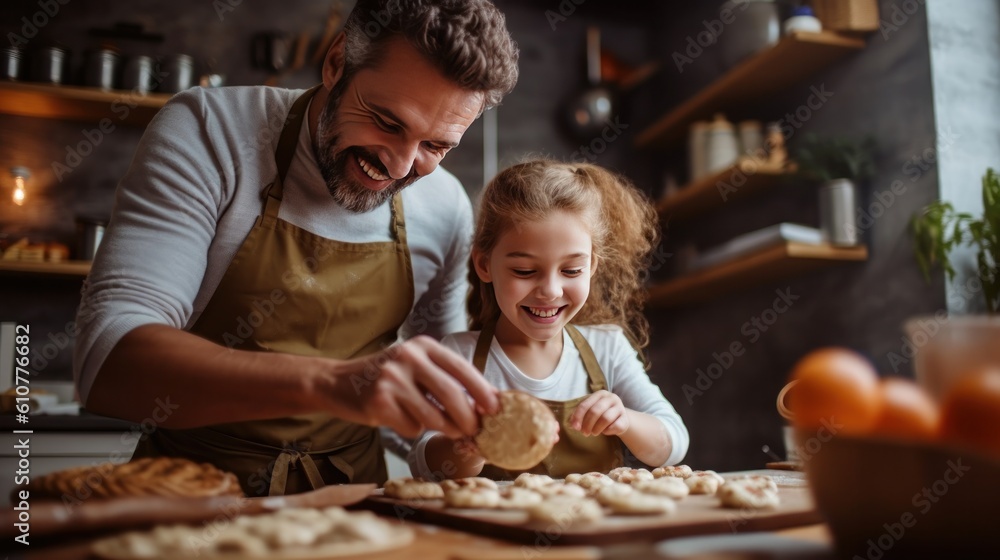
[(838, 387)]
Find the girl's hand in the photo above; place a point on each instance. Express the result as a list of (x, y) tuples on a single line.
[(466, 451), (602, 413)]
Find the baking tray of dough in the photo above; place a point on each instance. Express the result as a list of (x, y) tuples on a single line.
[(695, 515)]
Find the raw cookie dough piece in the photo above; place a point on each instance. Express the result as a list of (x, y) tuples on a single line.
[(520, 435), (637, 503), (413, 489), (471, 498), (566, 511), (747, 495), (628, 476), (669, 486), (678, 471), (704, 482), (590, 480), (532, 481), (559, 489), (606, 494), (755, 480), (469, 482), (515, 497)]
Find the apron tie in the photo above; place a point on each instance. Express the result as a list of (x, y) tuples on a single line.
[(287, 458)]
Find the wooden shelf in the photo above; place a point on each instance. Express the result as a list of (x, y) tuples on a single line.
[(79, 103), (66, 268), (745, 178), (793, 59), (780, 261)]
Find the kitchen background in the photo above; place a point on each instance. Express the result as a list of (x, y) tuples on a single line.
[(924, 86)]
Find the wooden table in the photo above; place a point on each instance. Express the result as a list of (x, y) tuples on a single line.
[(437, 543), (440, 543)]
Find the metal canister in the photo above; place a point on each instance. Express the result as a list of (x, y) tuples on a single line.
[(101, 68), (13, 59), (90, 232), (178, 73), (138, 74), (837, 220), (48, 64)]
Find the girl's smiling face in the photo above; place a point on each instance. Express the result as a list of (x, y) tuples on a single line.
[(540, 271)]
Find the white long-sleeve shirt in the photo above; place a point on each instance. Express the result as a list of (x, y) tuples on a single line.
[(192, 194), (618, 360)]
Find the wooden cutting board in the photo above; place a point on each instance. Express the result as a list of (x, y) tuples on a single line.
[(696, 515)]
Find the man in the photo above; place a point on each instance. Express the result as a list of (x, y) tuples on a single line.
[(257, 268)]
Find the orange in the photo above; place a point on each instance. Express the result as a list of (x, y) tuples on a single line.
[(836, 388), (907, 411), (970, 413)]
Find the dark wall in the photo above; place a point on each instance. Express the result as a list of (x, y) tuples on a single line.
[(884, 90)]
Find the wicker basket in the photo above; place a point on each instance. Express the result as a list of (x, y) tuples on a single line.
[(847, 15)]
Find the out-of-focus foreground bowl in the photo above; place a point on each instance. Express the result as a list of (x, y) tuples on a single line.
[(886, 499)]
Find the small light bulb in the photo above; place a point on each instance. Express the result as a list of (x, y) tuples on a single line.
[(19, 173)]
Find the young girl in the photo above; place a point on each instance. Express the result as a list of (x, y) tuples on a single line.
[(557, 300)]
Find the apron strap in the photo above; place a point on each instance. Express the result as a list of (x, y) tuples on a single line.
[(483, 345), (279, 475), (594, 373), (398, 219), (286, 150)]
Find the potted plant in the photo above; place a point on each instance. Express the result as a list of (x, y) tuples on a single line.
[(840, 164), (946, 346), (938, 229)]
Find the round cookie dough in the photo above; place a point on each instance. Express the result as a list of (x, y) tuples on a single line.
[(520, 435), (471, 498), (739, 495), (669, 486), (412, 489)]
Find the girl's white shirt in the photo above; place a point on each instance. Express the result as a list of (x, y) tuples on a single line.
[(618, 360)]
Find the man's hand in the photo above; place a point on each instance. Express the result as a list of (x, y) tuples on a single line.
[(602, 413), (412, 387)]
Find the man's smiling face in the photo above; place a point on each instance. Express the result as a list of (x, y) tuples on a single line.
[(388, 125)]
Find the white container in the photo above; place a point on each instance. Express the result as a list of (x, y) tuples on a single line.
[(802, 19), (697, 150), (752, 139), (946, 347), (837, 202), (722, 145)]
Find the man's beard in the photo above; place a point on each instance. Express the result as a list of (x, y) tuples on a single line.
[(333, 166)]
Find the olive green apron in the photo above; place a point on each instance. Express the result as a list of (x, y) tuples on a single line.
[(288, 290), (574, 452)]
